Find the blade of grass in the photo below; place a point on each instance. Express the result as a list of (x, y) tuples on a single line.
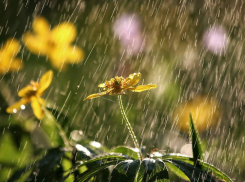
[(196, 143)]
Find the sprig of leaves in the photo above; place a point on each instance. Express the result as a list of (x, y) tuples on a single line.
[(87, 164)]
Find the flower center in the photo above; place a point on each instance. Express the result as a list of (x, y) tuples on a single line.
[(51, 44), (33, 91)]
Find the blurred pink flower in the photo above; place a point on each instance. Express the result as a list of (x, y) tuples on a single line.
[(128, 29), (215, 40)]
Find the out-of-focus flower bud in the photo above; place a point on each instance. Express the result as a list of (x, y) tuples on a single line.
[(128, 29), (216, 40)]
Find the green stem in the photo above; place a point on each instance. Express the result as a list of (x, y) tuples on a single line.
[(131, 132), (61, 131)]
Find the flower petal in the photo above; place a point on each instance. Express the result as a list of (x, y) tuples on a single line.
[(132, 80), (11, 47), (102, 85), (61, 55), (37, 45), (7, 64), (92, 96), (40, 26), (141, 88), (16, 106), (74, 54), (64, 33), (57, 60), (37, 104), (45, 81), (27, 91), (15, 65)]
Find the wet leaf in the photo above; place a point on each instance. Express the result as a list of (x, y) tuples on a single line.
[(189, 160), (93, 171), (97, 165), (216, 171), (126, 151), (105, 159), (177, 171), (125, 171), (152, 170), (192, 172), (49, 167), (179, 157)]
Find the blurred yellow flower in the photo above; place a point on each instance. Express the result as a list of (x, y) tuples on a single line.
[(119, 85), (8, 62), (55, 43), (203, 110), (32, 93)]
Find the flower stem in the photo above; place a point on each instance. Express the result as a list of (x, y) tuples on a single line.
[(61, 131), (131, 132)]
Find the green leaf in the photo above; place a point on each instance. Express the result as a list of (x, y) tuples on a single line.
[(17, 133), (98, 164), (93, 171), (152, 170), (84, 154), (189, 160), (179, 157), (19, 173), (192, 172), (59, 116), (51, 128), (49, 167), (125, 171), (105, 158), (196, 143), (176, 171), (10, 155), (126, 151), (216, 171)]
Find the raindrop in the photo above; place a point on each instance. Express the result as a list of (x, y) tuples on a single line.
[(95, 144), (22, 107), (83, 149), (76, 135), (135, 149)]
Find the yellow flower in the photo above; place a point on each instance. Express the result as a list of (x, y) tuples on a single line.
[(55, 43), (119, 85), (8, 62), (203, 110), (32, 93)]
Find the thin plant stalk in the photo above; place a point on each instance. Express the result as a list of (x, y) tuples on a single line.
[(131, 132), (61, 131)]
